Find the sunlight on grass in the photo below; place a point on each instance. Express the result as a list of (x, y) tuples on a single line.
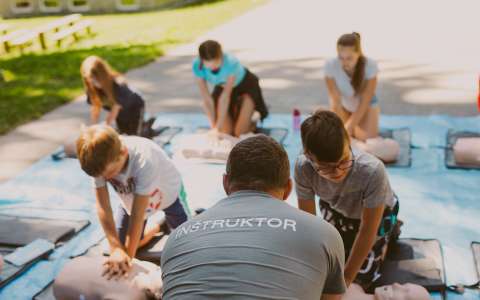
[(38, 82)]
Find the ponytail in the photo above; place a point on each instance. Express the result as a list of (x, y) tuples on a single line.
[(353, 40)]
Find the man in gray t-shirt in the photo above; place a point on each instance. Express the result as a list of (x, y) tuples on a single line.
[(252, 245)]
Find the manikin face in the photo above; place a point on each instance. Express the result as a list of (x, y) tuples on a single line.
[(401, 292), (348, 58), (213, 64), (114, 168)]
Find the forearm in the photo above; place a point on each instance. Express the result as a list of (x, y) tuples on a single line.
[(335, 100), (223, 104), (134, 233), (334, 95), (362, 245), (209, 109), (307, 206), (357, 115), (135, 227), (366, 96), (94, 114), (112, 116), (106, 221), (208, 104)]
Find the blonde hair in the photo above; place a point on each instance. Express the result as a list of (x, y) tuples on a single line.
[(98, 146), (95, 67)]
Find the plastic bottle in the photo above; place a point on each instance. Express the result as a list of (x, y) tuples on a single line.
[(296, 115), (478, 97)]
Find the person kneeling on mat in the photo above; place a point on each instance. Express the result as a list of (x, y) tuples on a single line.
[(467, 151), (252, 244), (351, 80), (109, 90), (146, 181), (236, 94), (354, 191)]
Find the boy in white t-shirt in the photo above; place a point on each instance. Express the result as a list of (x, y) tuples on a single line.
[(146, 181)]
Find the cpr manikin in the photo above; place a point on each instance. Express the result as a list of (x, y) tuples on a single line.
[(388, 292), (82, 277), (467, 151), (385, 149), (209, 146)]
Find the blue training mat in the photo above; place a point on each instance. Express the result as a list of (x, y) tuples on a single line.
[(415, 261), (435, 202)]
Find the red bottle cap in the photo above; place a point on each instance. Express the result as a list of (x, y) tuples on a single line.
[(296, 112)]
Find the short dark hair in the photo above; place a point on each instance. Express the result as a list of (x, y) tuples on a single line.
[(209, 50), (324, 136), (258, 163)]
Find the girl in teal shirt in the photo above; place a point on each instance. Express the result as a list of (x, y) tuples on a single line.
[(236, 91)]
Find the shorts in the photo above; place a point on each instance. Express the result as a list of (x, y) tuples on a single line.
[(249, 85), (174, 214)]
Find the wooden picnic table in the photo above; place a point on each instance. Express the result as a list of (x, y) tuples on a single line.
[(73, 30), (8, 38), (55, 26)]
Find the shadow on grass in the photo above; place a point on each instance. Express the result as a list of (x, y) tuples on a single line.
[(37, 83)]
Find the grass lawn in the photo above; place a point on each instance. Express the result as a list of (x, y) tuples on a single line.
[(39, 81)]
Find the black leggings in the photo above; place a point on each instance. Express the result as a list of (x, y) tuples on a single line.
[(249, 85)]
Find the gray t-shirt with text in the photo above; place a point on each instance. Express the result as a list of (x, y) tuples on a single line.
[(252, 246), (366, 185)]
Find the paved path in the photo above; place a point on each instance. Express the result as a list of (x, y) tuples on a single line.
[(427, 50)]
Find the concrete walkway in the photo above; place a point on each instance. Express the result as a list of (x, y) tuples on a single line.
[(427, 51)]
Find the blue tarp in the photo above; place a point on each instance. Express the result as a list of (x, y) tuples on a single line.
[(435, 202)]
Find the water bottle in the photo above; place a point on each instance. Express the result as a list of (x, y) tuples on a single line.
[(478, 97), (296, 119)]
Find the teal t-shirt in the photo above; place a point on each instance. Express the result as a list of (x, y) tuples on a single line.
[(230, 66)]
